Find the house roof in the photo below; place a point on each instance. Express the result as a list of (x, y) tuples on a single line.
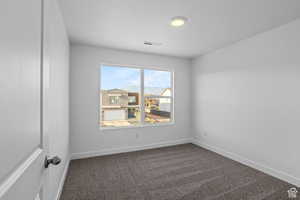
[(115, 91)]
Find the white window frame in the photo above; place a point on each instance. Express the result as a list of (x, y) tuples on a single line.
[(142, 97)]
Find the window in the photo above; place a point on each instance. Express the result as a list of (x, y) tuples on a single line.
[(135, 97), (157, 96), (114, 100), (131, 99)]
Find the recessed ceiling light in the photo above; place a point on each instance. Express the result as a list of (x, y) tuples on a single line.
[(178, 21)]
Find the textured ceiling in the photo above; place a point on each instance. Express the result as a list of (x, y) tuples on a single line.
[(126, 24)]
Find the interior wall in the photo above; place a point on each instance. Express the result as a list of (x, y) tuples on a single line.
[(247, 100), (86, 137), (56, 94)]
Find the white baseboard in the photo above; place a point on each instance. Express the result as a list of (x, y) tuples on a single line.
[(266, 169), (62, 180), (128, 149)]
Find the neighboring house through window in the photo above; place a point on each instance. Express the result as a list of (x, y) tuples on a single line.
[(131, 96)]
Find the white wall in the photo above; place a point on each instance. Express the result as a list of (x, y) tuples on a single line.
[(86, 138), (56, 93), (247, 101)]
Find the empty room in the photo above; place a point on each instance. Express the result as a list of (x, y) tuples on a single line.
[(149, 99)]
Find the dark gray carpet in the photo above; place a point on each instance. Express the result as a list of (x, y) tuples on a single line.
[(183, 172)]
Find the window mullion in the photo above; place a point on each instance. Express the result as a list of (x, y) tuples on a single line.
[(172, 97), (142, 102)]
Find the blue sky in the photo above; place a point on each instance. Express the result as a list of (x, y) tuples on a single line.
[(119, 77), (155, 78), (124, 78)]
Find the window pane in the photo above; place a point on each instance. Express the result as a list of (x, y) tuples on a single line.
[(114, 100), (157, 110), (157, 83), (119, 96)]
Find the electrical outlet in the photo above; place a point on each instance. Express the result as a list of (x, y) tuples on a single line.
[(137, 136)]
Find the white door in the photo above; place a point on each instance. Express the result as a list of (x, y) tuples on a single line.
[(22, 143), (110, 115)]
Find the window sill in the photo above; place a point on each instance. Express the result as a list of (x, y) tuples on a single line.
[(138, 126)]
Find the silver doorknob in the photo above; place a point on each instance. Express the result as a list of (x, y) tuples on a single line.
[(54, 161)]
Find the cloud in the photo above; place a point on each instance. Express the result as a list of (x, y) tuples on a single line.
[(120, 72), (122, 77), (119, 77), (155, 78), (136, 81)]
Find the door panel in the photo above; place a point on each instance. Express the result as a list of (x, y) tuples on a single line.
[(20, 99), (28, 179)]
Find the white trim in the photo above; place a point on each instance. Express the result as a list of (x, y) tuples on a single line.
[(63, 179), (173, 98), (12, 179), (261, 167), (142, 97), (128, 149), (158, 68), (158, 96), (137, 126)]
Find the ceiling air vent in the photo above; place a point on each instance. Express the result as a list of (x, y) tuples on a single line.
[(152, 43)]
